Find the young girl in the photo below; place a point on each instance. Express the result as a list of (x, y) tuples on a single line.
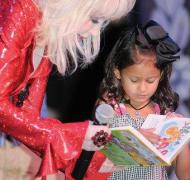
[(34, 34), (136, 84)]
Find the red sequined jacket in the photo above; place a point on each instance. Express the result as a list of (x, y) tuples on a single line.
[(21, 94)]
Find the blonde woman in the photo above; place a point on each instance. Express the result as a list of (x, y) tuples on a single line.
[(33, 36)]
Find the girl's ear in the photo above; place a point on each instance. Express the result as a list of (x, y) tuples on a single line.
[(117, 73)]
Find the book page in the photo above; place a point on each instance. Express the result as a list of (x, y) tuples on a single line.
[(153, 121), (174, 133), (129, 147)]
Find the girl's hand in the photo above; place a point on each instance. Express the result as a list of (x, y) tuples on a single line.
[(93, 131), (150, 135)]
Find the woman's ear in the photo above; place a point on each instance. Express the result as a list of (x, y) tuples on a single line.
[(117, 73)]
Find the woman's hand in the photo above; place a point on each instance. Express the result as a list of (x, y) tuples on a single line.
[(150, 135), (91, 133)]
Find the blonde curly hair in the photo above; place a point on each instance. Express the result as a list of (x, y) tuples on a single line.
[(60, 24)]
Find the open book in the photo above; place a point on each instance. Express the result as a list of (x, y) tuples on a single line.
[(130, 147)]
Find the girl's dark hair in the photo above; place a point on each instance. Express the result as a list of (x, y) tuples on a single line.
[(122, 55)]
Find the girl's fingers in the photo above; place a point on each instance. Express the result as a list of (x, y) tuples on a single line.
[(151, 130), (152, 137)]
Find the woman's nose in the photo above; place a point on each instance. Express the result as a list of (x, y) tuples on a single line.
[(90, 29), (95, 30)]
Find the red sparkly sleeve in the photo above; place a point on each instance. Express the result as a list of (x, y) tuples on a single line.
[(56, 143)]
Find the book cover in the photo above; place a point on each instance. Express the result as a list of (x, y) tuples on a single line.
[(130, 147)]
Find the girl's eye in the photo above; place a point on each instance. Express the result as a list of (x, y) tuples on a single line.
[(150, 81), (134, 80)]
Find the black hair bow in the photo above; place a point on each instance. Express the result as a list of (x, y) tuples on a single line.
[(153, 34), (166, 50)]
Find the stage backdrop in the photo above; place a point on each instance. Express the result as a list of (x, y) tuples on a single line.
[(174, 16)]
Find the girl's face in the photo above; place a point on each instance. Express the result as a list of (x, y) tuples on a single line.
[(140, 81)]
